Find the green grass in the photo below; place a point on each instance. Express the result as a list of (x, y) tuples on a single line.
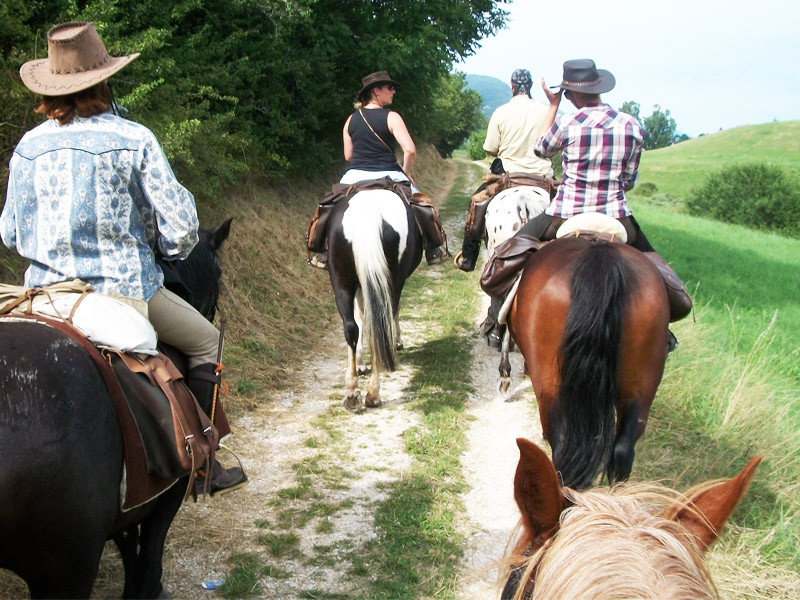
[(732, 390), (677, 169), (740, 276)]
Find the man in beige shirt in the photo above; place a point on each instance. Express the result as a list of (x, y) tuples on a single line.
[(513, 130)]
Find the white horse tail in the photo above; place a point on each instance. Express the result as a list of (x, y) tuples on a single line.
[(363, 225)]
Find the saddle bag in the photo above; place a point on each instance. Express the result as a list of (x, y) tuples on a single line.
[(427, 220), (680, 304), (317, 236), (507, 261)]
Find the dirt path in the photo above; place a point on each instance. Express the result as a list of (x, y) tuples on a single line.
[(319, 472)]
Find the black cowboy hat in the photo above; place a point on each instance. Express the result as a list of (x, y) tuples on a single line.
[(373, 79), (581, 75)]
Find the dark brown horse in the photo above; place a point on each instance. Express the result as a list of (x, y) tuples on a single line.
[(591, 320), (61, 459)]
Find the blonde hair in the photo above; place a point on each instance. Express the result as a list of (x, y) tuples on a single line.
[(88, 102), (614, 545)]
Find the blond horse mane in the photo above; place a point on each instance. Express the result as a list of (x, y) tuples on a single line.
[(614, 544)]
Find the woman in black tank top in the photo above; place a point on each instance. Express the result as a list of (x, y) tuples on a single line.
[(372, 133), (370, 137)]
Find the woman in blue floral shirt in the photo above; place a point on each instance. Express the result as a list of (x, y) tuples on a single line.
[(87, 190)]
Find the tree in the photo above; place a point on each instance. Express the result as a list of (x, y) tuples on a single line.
[(632, 108), (659, 129), (259, 86), (457, 112)]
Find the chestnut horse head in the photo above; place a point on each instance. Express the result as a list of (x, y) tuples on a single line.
[(630, 541)]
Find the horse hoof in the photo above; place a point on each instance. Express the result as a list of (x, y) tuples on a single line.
[(504, 385), (400, 345), (363, 370), (354, 404), (373, 402), (164, 595)]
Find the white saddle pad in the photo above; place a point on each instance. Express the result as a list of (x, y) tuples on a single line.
[(593, 221)]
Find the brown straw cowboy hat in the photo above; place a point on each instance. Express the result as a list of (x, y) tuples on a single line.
[(76, 60), (373, 79), (581, 75)]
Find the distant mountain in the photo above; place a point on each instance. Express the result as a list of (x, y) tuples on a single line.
[(493, 91)]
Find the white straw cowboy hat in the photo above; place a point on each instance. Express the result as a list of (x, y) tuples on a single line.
[(581, 75), (76, 60)]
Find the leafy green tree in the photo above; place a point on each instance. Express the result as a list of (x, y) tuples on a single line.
[(259, 86), (659, 129), (457, 112), (475, 144), (632, 108)]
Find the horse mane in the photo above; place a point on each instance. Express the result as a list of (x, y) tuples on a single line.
[(590, 353), (613, 544)]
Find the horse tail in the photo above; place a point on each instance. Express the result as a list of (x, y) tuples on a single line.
[(380, 329), (583, 415)]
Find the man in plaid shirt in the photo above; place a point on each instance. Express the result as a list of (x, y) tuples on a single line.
[(601, 149)]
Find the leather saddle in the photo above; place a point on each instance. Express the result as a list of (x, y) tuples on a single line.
[(166, 435)]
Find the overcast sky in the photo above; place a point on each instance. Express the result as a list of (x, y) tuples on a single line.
[(712, 63)]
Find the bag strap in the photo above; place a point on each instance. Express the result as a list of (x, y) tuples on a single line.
[(375, 132)]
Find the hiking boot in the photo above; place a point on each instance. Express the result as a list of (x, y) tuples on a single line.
[(468, 256), (436, 255), (672, 342), (223, 480), (466, 263), (493, 339), (319, 260)]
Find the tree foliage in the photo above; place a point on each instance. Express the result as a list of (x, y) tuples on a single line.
[(658, 129), (235, 86)]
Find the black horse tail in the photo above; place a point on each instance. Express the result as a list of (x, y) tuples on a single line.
[(380, 329), (583, 416)]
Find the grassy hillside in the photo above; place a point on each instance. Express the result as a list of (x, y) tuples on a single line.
[(679, 168)]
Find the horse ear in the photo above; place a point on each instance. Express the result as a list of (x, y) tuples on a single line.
[(537, 491), (711, 506), (220, 235)]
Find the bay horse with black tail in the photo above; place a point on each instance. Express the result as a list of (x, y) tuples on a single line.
[(62, 460), (630, 541), (373, 247), (590, 318)]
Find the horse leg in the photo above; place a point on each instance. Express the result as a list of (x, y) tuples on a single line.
[(399, 344), (65, 570), (352, 400), (631, 423), (127, 542), (145, 576), (505, 364), (361, 366), (374, 389)]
